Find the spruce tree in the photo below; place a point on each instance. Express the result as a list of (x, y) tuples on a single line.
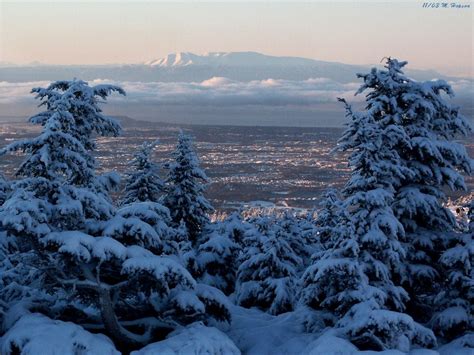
[(328, 217), (331, 283), (366, 253), (143, 183), (470, 217), (59, 216), (300, 233), (145, 224), (4, 189), (57, 188), (185, 187), (454, 303), (266, 277), (216, 258), (435, 161), (141, 216), (369, 194), (235, 227)]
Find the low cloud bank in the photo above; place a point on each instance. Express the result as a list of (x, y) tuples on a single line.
[(214, 91), (221, 100)]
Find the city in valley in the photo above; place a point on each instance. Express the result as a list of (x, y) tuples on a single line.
[(249, 166)]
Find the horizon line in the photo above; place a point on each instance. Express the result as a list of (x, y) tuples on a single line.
[(35, 63)]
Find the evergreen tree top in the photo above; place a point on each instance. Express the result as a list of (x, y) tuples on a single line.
[(142, 158), (78, 104), (396, 99), (62, 150), (143, 182), (186, 165), (186, 183)]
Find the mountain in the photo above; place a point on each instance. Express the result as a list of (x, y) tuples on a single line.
[(189, 67), (234, 59), (257, 66)]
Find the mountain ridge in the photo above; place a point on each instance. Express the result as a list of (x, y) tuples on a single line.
[(245, 58), (190, 67)]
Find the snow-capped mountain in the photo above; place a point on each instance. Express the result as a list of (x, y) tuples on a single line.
[(247, 59), (174, 60), (190, 67)]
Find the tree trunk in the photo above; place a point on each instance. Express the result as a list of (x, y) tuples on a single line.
[(114, 329)]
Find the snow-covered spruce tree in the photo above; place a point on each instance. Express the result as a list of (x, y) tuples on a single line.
[(216, 258), (4, 189), (145, 224), (57, 189), (470, 217), (266, 277), (141, 218), (75, 106), (331, 225), (143, 183), (376, 171), (435, 161), (300, 233), (185, 186), (330, 284), (235, 227), (328, 217), (57, 212), (454, 303), (218, 254), (370, 255)]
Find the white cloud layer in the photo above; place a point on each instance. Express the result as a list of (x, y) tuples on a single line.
[(218, 91), (214, 91)]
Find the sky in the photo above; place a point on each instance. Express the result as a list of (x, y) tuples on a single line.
[(362, 32)]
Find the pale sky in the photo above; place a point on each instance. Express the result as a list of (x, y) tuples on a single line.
[(353, 32)]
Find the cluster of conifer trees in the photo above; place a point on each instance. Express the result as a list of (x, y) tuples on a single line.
[(383, 261)]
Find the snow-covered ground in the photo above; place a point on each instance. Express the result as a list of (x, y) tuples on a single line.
[(258, 333), (252, 332)]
